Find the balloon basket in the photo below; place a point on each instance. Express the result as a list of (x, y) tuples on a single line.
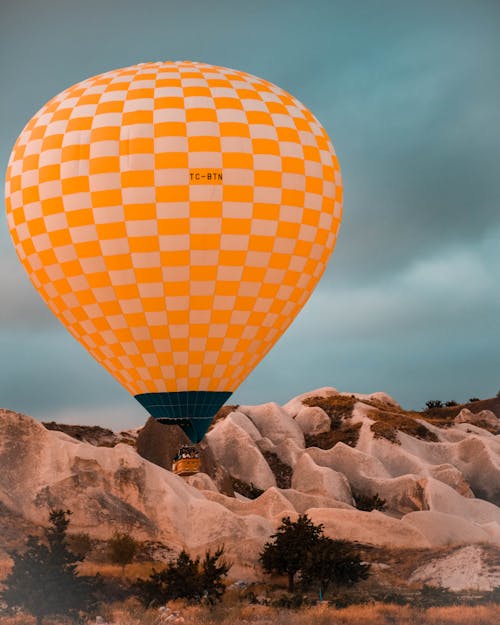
[(186, 462)]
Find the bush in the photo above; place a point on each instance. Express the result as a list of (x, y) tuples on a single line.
[(369, 502), (333, 562), (301, 547), (288, 551), (473, 399), (434, 403), (122, 549), (451, 403), (186, 578), (80, 544), (44, 581)]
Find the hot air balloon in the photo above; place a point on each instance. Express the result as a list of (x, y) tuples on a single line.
[(175, 217)]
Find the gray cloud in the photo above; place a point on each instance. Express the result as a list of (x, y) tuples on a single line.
[(408, 92)]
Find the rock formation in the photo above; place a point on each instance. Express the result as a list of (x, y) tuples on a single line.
[(437, 482)]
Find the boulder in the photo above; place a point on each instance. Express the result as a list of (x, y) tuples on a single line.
[(313, 420), (310, 478), (236, 451), (274, 423), (484, 418)]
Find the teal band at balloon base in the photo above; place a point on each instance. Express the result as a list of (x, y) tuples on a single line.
[(193, 411)]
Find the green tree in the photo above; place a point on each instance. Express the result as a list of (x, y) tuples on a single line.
[(288, 551), (333, 563), (122, 549), (213, 569), (186, 578), (43, 580)]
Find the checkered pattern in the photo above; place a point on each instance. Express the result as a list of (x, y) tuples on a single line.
[(172, 285)]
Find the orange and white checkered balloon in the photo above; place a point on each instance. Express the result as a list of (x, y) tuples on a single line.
[(175, 217)]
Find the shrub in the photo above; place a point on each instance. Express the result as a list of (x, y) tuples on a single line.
[(186, 578), (434, 403), (451, 403), (43, 579), (79, 544), (247, 490), (473, 399), (369, 502), (122, 549)]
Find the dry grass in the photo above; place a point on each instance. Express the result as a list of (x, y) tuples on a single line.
[(132, 571), (387, 424), (372, 614)]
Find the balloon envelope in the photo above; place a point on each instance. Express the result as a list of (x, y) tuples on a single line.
[(175, 217)]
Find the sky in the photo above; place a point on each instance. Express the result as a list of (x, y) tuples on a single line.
[(407, 91)]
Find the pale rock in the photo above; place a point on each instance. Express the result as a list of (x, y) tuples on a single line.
[(443, 498), (242, 421), (373, 528), (274, 423), (302, 502), (313, 420), (484, 418), (350, 461), (367, 476), (295, 405), (288, 452), (464, 569), (308, 477), (270, 504), (236, 450), (201, 481), (443, 529), (109, 490), (451, 476)]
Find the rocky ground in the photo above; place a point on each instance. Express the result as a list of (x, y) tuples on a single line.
[(436, 476)]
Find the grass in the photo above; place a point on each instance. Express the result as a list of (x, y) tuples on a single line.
[(387, 424), (373, 614)]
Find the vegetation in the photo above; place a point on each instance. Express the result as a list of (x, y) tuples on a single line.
[(288, 551), (301, 547), (387, 425), (247, 490), (282, 472), (434, 403), (337, 407), (347, 433), (44, 581), (473, 399), (369, 502), (122, 549), (79, 544), (451, 403), (186, 578), (333, 562)]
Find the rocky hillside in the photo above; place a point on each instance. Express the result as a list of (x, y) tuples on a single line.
[(361, 465)]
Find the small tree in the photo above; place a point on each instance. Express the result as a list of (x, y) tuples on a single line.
[(434, 403), (186, 578), (288, 551), (333, 562), (213, 569), (43, 580), (122, 549)]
